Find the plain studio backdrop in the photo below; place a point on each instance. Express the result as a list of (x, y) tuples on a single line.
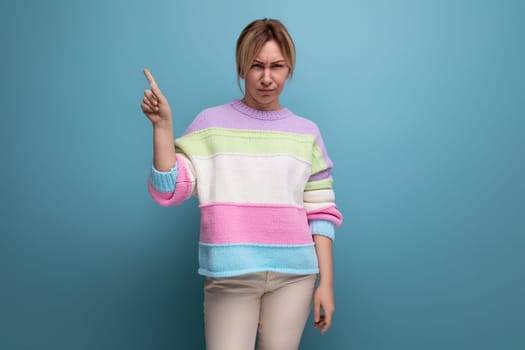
[(421, 105)]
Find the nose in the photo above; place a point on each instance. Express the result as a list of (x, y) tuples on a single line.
[(266, 79)]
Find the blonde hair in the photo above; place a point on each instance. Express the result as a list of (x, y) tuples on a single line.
[(252, 39)]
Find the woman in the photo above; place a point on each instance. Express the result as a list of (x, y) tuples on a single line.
[(262, 177)]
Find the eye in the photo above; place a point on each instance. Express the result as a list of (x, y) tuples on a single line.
[(278, 66), (257, 66)]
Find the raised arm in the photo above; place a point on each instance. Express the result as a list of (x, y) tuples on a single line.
[(171, 179), (156, 107)]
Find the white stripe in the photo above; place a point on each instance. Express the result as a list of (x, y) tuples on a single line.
[(247, 178), (316, 206), (220, 154), (317, 196), (191, 172)]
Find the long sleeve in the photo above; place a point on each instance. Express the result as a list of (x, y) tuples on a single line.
[(319, 198), (174, 186)]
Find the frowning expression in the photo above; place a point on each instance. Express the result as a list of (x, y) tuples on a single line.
[(266, 77)]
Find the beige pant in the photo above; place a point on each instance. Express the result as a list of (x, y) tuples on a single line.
[(271, 305)]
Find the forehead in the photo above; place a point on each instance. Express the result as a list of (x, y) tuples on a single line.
[(270, 51)]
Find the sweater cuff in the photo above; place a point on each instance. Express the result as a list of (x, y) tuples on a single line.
[(164, 181), (323, 228)]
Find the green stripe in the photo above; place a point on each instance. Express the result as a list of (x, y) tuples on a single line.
[(325, 184), (210, 141), (318, 163)]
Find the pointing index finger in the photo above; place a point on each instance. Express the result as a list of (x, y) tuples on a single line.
[(151, 81)]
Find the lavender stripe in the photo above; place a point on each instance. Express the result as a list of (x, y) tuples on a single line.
[(236, 115)]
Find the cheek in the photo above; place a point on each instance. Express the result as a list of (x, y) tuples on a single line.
[(281, 79), (250, 80)]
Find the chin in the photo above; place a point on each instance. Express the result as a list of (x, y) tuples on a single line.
[(267, 98)]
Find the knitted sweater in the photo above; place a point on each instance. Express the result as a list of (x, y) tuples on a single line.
[(264, 187)]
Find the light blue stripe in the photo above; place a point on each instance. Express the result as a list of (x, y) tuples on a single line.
[(275, 246), (323, 228), (226, 260), (164, 181)]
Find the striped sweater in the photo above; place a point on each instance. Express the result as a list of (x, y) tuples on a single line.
[(264, 187)]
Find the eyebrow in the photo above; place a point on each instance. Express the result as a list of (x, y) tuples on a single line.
[(273, 62)]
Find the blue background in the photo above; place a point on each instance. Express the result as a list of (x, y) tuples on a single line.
[(421, 105)]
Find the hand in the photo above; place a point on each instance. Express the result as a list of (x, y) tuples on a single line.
[(323, 300), (154, 105)]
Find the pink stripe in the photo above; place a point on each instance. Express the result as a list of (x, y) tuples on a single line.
[(329, 213), (264, 224), (183, 187)]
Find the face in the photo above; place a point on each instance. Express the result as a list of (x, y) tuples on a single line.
[(265, 78)]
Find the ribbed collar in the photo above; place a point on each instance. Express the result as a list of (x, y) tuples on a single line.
[(260, 114)]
